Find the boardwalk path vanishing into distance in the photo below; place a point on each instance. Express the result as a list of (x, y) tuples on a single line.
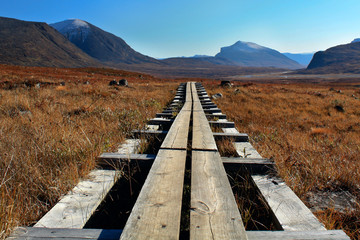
[(186, 193)]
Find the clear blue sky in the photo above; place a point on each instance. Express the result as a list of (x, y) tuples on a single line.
[(186, 27)]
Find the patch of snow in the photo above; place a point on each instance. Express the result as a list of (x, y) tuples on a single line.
[(73, 29), (247, 46)]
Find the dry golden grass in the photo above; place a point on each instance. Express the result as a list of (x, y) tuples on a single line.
[(315, 145), (50, 136)]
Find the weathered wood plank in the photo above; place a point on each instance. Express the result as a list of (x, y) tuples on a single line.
[(29, 233), (75, 208), (156, 213), (114, 159), (222, 124), (214, 213), (290, 211), (297, 235), (178, 134), (202, 134), (129, 146), (145, 133), (212, 110), (216, 116), (246, 150)]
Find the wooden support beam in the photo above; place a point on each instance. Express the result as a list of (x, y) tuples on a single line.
[(160, 121), (165, 115), (298, 235), (216, 116), (221, 124), (114, 159), (212, 110), (251, 165), (236, 137), (29, 233), (146, 133), (289, 210)]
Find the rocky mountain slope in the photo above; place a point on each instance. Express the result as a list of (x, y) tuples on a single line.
[(253, 55), (339, 59), (38, 44), (99, 44)]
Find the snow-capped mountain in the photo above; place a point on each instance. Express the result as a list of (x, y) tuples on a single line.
[(37, 44), (73, 29), (253, 55), (100, 44)]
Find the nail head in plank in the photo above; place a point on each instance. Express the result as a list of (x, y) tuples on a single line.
[(74, 209), (156, 213), (214, 213), (290, 211)]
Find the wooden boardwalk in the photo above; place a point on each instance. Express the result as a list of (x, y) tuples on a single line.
[(159, 208)]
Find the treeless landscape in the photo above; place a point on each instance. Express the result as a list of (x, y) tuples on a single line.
[(55, 122)]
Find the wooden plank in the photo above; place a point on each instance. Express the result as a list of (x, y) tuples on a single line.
[(145, 133), (218, 116), (113, 159), (129, 146), (160, 121), (156, 213), (29, 233), (75, 208), (212, 110), (222, 124), (202, 135), (214, 213), (178, 134), (290, 211), (251, 165), (297, 235)]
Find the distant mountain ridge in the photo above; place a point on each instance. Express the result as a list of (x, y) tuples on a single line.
[(37, 44), (253, 55), (302, 58), (99, 44)]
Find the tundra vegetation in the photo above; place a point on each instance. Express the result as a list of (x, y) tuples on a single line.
[(312, 132), (55, 122)]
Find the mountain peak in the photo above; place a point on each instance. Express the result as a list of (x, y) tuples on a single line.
[(70, 24), (250, 54), (247, 46)]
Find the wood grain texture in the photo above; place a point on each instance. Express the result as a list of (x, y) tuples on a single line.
[(290, 211), (246, 150), (178, 134), (75, 208), (28, 233), (214, 213), (156, 213), (297, 235)]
